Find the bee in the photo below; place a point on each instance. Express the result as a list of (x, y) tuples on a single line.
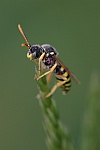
[(46, 57)]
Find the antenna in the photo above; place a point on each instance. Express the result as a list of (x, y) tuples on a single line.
[(24, 36)]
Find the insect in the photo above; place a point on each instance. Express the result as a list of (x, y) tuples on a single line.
[(46, 55)]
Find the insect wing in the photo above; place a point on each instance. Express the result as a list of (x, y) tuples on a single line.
[(70, 73)]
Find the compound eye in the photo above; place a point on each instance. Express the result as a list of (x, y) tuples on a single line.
[(34, 48), (34, 55)]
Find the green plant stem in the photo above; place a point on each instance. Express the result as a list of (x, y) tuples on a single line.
[(58, 137), (91, 129)]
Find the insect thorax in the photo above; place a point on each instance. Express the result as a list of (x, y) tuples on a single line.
[(37, 50), (50, 51)]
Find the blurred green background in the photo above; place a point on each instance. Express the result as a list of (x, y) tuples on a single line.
[(73, 28)]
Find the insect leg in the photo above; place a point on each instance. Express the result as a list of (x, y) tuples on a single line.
[(50, 71), (50, 75), (54, 88), (39, 64), (62, 77)]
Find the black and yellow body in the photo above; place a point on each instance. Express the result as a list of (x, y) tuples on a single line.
[(47, 56), (65, 77)]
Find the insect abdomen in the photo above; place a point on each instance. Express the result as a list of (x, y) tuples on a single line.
[(66, 87), (65, 77)]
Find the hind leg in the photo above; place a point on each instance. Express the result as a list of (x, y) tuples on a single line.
[(58, 84), (54, 88)]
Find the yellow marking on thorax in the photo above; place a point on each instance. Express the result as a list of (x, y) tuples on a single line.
[(47, 55), (52, 53)]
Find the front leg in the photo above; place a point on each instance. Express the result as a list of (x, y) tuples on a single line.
[(48, 72), (39, 63)]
